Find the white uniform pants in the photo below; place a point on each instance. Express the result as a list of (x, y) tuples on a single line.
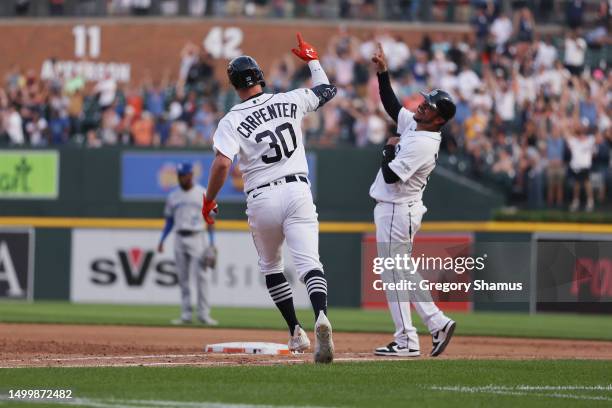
[(396, 225), (189, 254), (284, 212)]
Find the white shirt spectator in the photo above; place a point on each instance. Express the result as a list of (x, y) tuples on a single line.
[(501, 29), (35, 130), (527, 89), (482, 100), (504, 104), (467, 82), (552, 79), (546, 56), (438, 67), (14, 127), (575, 50), (377, 129), (344, 71), (582, 152), (107, 88), (397, 53)]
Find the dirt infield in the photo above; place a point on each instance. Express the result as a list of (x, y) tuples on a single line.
[(47, 345)]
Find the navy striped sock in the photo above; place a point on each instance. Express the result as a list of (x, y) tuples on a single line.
[(281, 294), (316, 285)]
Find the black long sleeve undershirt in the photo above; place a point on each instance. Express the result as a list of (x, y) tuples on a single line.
[(387, 96), (388, 174)]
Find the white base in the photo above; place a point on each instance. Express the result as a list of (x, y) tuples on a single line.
[(248, 347)]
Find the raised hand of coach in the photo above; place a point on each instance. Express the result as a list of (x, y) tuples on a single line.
[(305, 51), (208, 207), (380, 59)]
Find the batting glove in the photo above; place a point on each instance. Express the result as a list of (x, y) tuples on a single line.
[(209, 210), (305, 51)]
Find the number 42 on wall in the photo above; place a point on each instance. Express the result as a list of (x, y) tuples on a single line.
[(224, 42)]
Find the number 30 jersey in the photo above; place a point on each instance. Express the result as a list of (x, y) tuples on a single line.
[(265, 132)]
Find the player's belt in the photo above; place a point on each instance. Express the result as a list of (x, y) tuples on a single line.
[(287, 179), (187, 233)]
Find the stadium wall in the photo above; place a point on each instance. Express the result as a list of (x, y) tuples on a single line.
[(130, 49)]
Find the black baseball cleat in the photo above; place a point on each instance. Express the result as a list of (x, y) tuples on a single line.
[(441, 338), (393, 349)]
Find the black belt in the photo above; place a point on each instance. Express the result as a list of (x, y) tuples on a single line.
[(288, 179), (187, 233)]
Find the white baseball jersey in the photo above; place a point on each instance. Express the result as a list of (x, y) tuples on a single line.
[(398, 218), (186, 208), (266, 133), (415, 158)]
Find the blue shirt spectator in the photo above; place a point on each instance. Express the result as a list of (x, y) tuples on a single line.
[(588, 111), (554, 148), (154, 102)]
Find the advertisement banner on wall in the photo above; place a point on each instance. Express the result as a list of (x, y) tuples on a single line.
[(426, 247), (29, 174), (573, 273), (151, 176), (123, 266), (16, 263)]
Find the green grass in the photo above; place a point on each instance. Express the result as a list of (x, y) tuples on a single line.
[(567, 326), (372, 384)]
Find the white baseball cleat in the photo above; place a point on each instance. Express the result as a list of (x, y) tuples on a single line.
[(180, 322), (208, 321), (299, 342), (441, 338), (324, 345), (395, 350)]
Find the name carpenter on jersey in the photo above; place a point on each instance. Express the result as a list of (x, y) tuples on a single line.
[(266, 114)]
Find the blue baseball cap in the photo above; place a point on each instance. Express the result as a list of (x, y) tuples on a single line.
[(184, 168)]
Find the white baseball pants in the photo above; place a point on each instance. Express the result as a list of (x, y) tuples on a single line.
[(284, 211), (396, 225)]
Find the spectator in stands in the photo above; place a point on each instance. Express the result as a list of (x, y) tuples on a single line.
[(555, 167), (582, 148), (546, 54), (13, 125), (501, 31), (106, 91), (481, 22), (205, 123), (142, 129), (22, 7), (36, 129), (601, 166), (56, 7), (575, 13), (575, 50), (140, 7), (59, 127)]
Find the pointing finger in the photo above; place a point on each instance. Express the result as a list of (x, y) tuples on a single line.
[(300, 39), (379, 48)]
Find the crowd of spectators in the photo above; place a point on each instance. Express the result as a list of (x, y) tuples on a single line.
[(533, 113), (399, 10)]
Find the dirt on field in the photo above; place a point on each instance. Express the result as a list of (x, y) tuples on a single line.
[(49, 345)]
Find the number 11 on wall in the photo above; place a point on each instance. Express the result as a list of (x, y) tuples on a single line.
[(81, 33)]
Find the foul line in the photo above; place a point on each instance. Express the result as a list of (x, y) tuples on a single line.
[(119, 403), (525, 390)]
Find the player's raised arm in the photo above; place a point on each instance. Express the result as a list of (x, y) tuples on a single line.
[(387, 96), (321, 86)]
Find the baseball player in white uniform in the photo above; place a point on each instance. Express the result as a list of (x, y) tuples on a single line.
[(407, 162), (264, 130), (192, 254)]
